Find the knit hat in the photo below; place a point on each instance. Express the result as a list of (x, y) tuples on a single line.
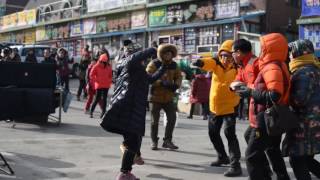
[(103, 58), (300, 48)]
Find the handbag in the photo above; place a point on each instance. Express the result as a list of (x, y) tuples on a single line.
[(279, 119)]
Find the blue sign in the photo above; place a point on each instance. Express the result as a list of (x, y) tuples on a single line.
[(310, 8)]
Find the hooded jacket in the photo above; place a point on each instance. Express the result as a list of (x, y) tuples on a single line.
[(126, 113), (273, 79), (101, 74), (222, 99), (159, 92)]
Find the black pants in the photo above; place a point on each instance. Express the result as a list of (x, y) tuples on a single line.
[(65, 82), (302, 165), (240, 108), (205, 109), (260, 144), (133, 143), (170, 110), (101, 94), (215, 124), (82, 86)]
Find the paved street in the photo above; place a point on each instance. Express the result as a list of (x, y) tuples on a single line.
[(80, 149)]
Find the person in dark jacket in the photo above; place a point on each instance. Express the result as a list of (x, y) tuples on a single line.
[(15, 57), (5, 54), (83, 66), (63, 68), (31, 57), (200, 90), (47, 57), (302, 144), (127, 112)]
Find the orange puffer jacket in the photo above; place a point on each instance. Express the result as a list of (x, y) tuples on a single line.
[(272, 68)]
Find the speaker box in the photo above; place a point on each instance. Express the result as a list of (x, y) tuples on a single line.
[(27, 75)]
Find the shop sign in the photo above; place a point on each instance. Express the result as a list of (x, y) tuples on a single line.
[(40, 34), (31, 16), (64, 31), (311, 32), (13, 20), (138, 19), (5, 22), (89, 26), (101, 25), (94, 5), (157, 16), (76, 28), (118, 23), (227, 10), (175, 13), (310, 8), (48, 32), (29, 36)]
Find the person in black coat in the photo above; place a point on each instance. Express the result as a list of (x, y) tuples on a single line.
[(31, 57), (126, 114)]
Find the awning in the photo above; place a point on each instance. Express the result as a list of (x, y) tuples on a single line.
[(179, 26), (315, 20), (117, 33)]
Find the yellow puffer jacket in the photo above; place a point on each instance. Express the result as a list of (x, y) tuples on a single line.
[(222, 100)]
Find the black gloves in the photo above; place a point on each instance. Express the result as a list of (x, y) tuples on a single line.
[(198, 63), (172, 87), (244, 92)]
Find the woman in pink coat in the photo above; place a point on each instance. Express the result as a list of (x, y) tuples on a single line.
[(101, 75)]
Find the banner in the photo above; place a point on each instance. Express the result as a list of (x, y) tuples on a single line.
[(31, 16), (13, 20), (76, 28), (310, 8), (157, 16), (227, 10), (89, 26), (138, 19), (22, 18), (94, 5), (119, 22)]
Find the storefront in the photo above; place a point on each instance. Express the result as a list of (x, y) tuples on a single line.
[(66, 35), (310, 23)]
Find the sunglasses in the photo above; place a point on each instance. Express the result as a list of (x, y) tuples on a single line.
[(226, 56)]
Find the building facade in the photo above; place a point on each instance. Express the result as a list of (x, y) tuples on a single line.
[(195, 26)]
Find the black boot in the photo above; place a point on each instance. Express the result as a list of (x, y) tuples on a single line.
[(220, 162), (233, 172)]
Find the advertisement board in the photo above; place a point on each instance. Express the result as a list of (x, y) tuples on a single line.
[(310, 8), (89, 26), (138, 19), (158, 16)]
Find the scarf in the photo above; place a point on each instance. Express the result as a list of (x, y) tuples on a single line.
[(300, 61)]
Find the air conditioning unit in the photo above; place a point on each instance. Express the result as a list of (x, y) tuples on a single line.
[(204, 49)]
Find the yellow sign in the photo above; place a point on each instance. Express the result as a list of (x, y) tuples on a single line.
[(30, 36), (31, 16), (22, 18), (13, 19)]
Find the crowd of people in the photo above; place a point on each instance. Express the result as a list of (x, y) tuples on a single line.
[(283, 74), (286, 74)]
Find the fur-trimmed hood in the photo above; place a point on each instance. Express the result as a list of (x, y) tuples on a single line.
[(167, 47)]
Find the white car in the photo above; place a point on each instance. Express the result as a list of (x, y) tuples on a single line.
[(37, 49)]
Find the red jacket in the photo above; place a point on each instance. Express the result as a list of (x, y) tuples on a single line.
[(249, 72), (200, 89), (101, 76)]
